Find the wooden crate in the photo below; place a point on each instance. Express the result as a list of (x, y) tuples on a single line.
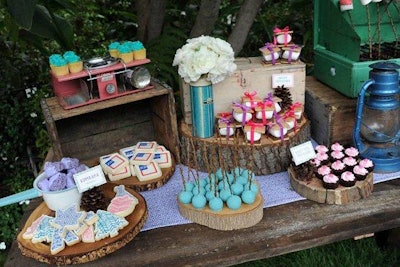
[(104, 127), (251, 75), (332, 114)]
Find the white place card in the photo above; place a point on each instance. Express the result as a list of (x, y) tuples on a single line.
[(285, 79), (89, 178), (302, 153)]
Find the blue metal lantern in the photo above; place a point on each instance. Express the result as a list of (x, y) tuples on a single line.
[(376, 133)]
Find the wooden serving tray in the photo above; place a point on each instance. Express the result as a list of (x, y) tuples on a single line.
[(84, 252), (227, 219), (314, 190), (139, 186)]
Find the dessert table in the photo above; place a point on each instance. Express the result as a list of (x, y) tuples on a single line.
[(290, 223)]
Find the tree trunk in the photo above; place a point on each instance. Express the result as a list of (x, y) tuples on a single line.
[(142, 11), (156, 20), (246, 16), (206, 18)]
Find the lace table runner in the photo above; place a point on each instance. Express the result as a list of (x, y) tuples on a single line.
[(275, 188)]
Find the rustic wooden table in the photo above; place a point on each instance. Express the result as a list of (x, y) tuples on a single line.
[(283, 229)]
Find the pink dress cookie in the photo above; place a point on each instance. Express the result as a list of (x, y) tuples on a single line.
[(123, 203)]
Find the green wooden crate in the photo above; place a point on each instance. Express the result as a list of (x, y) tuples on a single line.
[(342, 41)]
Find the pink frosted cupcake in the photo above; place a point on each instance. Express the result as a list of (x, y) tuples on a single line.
[(350, 163), (323, 158), (367, 164), (336, 155), (360, 172), (321, 149), (352, 152), (337, 147), (315, 162), (330, 181), (338, 167), (347, 179), (322, 171)]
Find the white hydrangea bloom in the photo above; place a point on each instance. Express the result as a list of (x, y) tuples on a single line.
[(207, 57)]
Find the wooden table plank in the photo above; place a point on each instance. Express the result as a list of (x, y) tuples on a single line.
[(283, 229)]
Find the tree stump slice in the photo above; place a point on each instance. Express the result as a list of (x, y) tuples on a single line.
[(84, 252), (268, 155), (134, 183), (314, 190), (227, 219)]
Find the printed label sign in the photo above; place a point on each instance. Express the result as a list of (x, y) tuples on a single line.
[(302, 153), (89, 178), (283, 79)]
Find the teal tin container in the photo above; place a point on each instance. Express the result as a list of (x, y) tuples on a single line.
[(202, 104)]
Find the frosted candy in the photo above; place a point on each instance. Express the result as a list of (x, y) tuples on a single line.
[(51, 168), (44, 185), (70, 181), (57, 182), (70, 163)]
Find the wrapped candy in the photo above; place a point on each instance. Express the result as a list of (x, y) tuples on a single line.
[(254, 131), (241, 113)]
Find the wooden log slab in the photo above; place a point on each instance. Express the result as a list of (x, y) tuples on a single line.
[(134, 183), (227, 219), (314, 190), (84, 252), (269, 155)]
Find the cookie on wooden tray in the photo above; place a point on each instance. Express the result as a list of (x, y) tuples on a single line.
[(123, 203)]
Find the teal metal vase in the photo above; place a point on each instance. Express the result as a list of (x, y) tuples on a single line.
[(202, 104)]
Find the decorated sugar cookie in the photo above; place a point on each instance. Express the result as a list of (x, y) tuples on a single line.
[(123, 203), (108, 225), (68, 219)]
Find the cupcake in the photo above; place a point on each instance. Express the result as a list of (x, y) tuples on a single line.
[(125, 53), (113, 49), (139, 52), (360, 172), (352, 152), (315, 162), (367, 164), (330, 181), (321, 149), (350, 163), (337, 147), (347, 179), (75, 63), (338, 167), (336, 155), (58, 65), (323, 158), (322, 171)]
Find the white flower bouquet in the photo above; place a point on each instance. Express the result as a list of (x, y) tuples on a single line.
[(207, 57)]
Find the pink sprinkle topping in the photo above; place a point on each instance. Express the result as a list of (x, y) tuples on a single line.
[(330, 178), (337, 147), (324, 170), (322, 156), (359, 170), (349, 161), (347, 176), (366, 163), (337, 165), (321, 149), (337, 154), (351, 152)]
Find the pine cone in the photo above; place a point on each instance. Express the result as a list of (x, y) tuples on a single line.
[(93, 200), (284, 93)]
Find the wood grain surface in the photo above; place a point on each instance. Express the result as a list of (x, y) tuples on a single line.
[(84, 252)]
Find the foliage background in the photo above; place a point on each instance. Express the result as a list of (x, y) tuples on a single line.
[(91, 25)]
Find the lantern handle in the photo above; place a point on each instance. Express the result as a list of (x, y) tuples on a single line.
[(360, 105)]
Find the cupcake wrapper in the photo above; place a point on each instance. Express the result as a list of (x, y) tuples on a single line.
[(347, 183)]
